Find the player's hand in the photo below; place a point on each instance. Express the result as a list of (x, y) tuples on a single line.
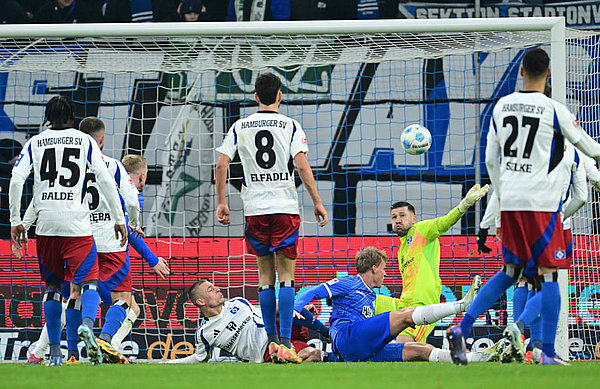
[(17, 250), (223, 214), (321, 214), (481, 238), (137, 232), (312, 309), (473, 195), (19, 236), (162, 268), (498, 234), (121, 234), (298, 316)]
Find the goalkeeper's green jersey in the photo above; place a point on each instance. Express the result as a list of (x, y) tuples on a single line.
[(419, 260)]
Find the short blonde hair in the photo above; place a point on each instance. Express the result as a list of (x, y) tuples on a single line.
[(368, 257), (134, 164)]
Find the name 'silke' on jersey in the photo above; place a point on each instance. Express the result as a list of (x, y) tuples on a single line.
[(526, 108)]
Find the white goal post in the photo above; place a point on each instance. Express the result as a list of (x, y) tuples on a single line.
[(225, 46)]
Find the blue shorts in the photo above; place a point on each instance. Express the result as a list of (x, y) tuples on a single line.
[(363, 340)]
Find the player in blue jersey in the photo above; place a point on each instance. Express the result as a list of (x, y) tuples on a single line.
[(359, 335)]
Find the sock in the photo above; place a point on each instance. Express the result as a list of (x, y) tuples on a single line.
[(124, 330), (266, 298), (439, 355), (73, 319), (429, 314), (532, 310), (90, 300), (41, 346), (311, 323), (519, 300), (52, 313), (115, 316), (550, 312), (287, 293), (488, 295)]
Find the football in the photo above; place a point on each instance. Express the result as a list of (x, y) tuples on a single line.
[(416, 139)]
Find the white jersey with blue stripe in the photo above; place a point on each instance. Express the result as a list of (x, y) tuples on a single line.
[(525, 146), (238, 329), (266, 142), (100, 217), (59, 160)]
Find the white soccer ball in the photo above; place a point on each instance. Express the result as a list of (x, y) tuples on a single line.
[(415, 139)]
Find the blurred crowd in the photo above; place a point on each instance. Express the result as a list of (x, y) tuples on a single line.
[(123, 11)]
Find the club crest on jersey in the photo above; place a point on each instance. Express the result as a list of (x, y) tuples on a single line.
[(367, 311), (409, 240), (576, 123), (234, 310), (560, 254)]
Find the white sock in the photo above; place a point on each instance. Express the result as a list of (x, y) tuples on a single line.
[(124, 330), (430, 314), (41, 346), (439, 355)]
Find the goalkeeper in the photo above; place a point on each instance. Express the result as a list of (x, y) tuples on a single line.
[(419, 259)]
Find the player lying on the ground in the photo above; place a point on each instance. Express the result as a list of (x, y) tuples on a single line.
[(419, 259), (234, 325), (359, 335)]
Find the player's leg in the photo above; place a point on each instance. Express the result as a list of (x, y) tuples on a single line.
[(132, 314), (41, 346), (73, 321)]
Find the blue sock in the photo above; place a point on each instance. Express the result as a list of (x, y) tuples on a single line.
[(90, 300), (489, 294), (115, 316), (519, 301), (287, 295), (550, 312), (266, 298), (532, 310), (311, 323), (52, 314), (73, 321)]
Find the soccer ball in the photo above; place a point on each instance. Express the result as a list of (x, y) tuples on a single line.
[(415, 139)]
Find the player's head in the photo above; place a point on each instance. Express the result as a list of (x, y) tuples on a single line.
[(94, 127), (9, 150), (535, 65), (370, 264), (137, 168), (60, 113), (204, 294), (403, 217), (268, 89)]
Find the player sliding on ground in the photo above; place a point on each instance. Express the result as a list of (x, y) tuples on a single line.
[(357, 334), (419, 259), (525, 147), (59, 158)]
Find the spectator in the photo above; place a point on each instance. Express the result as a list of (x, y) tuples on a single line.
[(190, 10), (323, 9), (9, 151), (31, 7), (216, 10), (140, 11), (11, 12), (256, 10), (68, 11)]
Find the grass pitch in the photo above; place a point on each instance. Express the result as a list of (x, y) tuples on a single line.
[(421, 375)]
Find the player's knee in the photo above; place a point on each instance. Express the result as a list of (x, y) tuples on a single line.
[(514, 272), (416, 351), (53, 286), (134, 306)]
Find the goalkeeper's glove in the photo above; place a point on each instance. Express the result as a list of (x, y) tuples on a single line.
[(474, 195), (481, 238)]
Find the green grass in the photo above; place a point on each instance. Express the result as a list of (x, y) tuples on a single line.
[(307, 376)]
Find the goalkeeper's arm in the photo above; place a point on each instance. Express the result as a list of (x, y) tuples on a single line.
[(489, 218)]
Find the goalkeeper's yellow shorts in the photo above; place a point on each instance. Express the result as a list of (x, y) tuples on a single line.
[(419, 333)]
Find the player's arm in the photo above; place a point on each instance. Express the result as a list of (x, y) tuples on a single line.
[(492, 155), (107, 186), (20, 172), (158, 264), (227, 149), (386, 304), (299, 149), (579, 192), (569, 126), (591, 171), (129, 193), (203, 350)]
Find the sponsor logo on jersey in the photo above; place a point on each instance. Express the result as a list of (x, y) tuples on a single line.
[(333, 281), (576, 123)]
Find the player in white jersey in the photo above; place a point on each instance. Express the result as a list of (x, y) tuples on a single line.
[(59, 158), (266, 143), (525, 145), (113, 259)]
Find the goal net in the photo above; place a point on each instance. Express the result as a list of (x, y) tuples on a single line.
[(171, 91)]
